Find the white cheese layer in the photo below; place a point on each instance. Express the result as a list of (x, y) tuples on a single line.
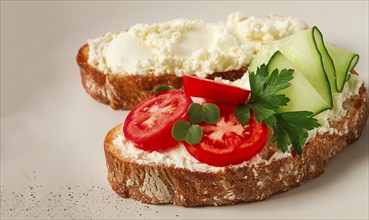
[(179, 156), (325, 118), (184, 46)]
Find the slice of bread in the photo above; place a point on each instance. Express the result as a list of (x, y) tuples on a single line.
[(122, 91), (226, 50), (156, 183)]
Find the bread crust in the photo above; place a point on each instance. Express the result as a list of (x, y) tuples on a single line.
[(159, 184), (122, 91)]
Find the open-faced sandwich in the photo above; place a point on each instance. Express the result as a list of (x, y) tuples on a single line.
[(123, 69), (288, 102)]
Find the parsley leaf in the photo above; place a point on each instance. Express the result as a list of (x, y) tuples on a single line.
[(242, 112), (292, 128), (289, 128), (263, 101)]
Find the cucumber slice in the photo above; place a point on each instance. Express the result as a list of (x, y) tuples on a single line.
[(307, 52), (344, 61), (302, 49), (348, 77), (302, 94)]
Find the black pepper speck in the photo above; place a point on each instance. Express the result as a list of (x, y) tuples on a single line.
[(80, 201)]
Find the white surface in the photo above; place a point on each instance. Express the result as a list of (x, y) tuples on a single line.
[(52, 159)]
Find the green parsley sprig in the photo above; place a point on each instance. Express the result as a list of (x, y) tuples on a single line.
[(289, 128)]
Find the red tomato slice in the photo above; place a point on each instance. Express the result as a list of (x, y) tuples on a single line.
[(216, 91), (228, 142), (149, 124)]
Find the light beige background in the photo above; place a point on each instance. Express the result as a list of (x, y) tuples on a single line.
[(52, 132)]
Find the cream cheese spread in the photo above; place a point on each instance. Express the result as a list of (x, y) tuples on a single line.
[(184, 46), (325, 118), (179, 157)]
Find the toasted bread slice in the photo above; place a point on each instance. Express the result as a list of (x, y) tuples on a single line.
[(122, 91), (156, 183)]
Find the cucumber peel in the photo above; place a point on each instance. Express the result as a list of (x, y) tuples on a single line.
[(344, 61)]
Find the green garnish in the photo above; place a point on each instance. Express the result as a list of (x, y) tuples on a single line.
[(290, 128), (163, 88), (208, 112), (191, 132), (185, 131), (263, 101), (195, 113), (211, 113)]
